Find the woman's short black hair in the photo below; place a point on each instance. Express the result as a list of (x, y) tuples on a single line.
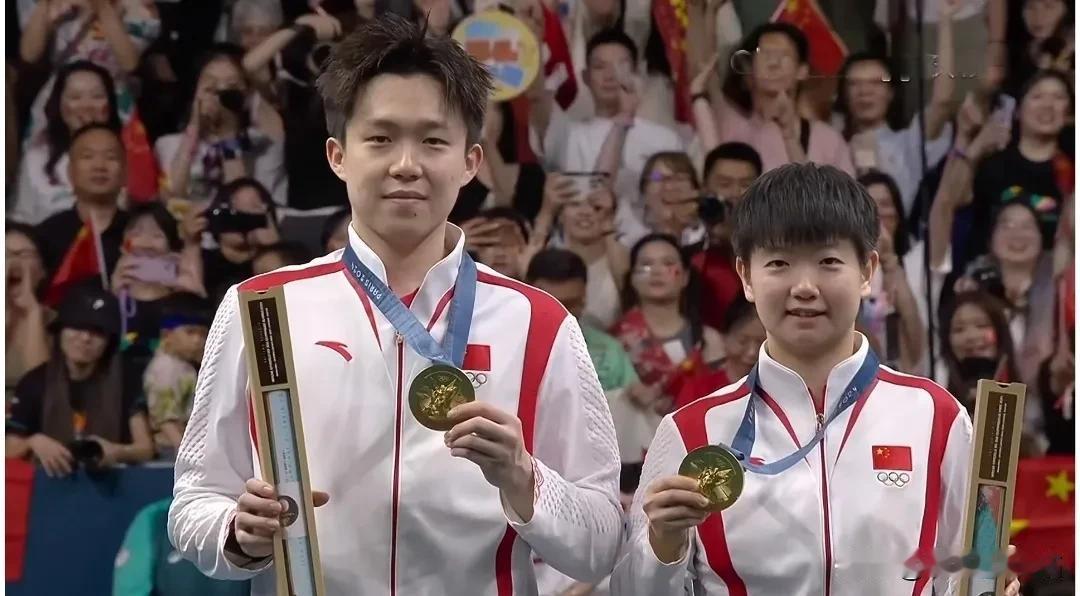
[(161, 216), (804, 204), (394, 45), (901, 237), (556, 264), (56, 131)]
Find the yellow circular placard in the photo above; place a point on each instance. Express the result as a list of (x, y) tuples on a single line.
[(506, 46)]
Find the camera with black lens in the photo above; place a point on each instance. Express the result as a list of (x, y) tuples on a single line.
[(987, 276), (224, 218), (712, 210), (86, 453)]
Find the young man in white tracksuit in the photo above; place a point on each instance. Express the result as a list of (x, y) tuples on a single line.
[(530, 466), (886, 485)]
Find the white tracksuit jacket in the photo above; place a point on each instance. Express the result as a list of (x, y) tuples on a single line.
[(831, 525), (405, 517)]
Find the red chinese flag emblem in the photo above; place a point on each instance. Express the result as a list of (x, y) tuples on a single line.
[(892, 457), (827, 50)]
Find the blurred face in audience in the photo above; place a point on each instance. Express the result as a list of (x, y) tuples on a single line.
[(82, 347), (504, 256), (608, 63), (658, 275), (886, 207), (23, 261), (404, 158), (581, 221), (868, 93), (570, 292), (776, 67), (729, 178), (247, 200), (1044, 108), (741, 346), (1042, 17), (84, 100), (1015, 238), (218, 75), (186, 342), (972, 334), (96, 168), (253, 31), (670, 195), (144, 237)]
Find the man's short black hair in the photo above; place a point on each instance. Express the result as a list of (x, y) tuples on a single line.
[(556, 264), (797, 37), (507, 213), (611, 36), (733, 151), (89, 128), (393, 45), (804, 204)]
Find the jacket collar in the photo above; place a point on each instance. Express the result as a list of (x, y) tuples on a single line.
[(437, 282), (789, 390)]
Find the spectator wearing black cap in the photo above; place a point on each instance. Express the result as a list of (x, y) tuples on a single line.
[(81, 395), (169, 380)]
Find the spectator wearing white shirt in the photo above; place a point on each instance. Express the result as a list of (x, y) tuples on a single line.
[(577, 145)]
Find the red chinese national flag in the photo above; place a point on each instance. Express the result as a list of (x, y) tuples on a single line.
[(1044, 513), (892, 457), (80, 263), (827, 50), (143, 173)]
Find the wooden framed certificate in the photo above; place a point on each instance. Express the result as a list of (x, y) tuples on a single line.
[(280, 440), (999, 420)]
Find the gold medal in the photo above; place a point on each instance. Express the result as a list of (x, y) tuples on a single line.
[(719, 475), (437, 390)]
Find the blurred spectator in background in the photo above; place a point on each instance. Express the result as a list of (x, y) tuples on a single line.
[(83, 94), (743, 336), (26, 318), (94, 226), (1044, 39), (730, 169), (671, 195), (169, 379), (335, 234), (154, 264), (282, 254), (231, 133), (82, 394), (587, 223), (241, 219), (499, 238)]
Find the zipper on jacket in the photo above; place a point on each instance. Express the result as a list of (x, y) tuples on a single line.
[(399, 340), (820, 407)]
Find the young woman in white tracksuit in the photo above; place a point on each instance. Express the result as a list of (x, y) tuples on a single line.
[(858, 474)]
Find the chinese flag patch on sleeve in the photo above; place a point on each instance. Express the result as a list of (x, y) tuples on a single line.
[(892, 457)]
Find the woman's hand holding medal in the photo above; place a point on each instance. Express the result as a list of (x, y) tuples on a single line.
[(673, 505)]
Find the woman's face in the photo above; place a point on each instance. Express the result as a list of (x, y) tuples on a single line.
[(972, 334), (1042, 17), (580, 219), (23, 259), (886, 208), (247, 200), (868, 93), (82, 347), (145, 238), (668, 190), (1016, 237), (658, 274), (741, 346), (84, 100), (1044, 109), (217, 76)]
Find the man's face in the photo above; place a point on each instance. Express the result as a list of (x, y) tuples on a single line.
[(776, 67), (807, 296), (570, 292), (607, 65), (404, 159), (97, 165), (729, 178)]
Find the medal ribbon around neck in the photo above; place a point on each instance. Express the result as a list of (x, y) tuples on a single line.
[(743, 444), (452, 350)]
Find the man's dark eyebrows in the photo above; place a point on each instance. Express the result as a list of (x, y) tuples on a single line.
[(422, 124)]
